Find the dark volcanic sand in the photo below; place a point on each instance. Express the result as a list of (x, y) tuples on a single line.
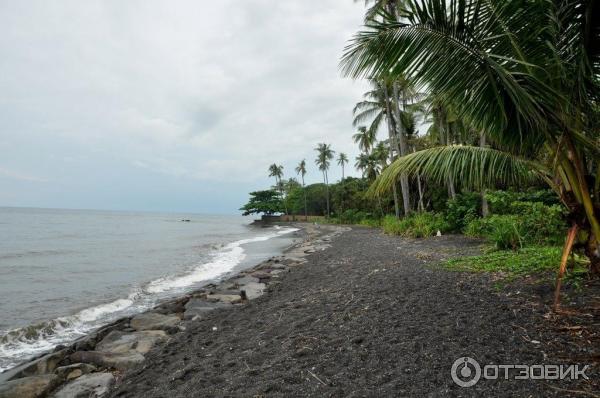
[(372, 316)]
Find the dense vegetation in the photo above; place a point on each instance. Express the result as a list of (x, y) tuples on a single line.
[(509, 90)]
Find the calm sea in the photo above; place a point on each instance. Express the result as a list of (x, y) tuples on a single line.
[(64, 273)]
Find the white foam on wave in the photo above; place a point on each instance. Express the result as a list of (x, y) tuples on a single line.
[(20, 344), (222, 262)]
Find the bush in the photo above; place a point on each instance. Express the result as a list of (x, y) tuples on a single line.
[(541, 224), (417, 225), (462, 210), (530, 223), (500, 202), (352, 216)]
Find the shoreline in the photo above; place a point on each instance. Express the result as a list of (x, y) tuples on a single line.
[(44, 373)]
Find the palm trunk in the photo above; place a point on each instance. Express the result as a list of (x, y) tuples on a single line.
[(305, 206), (392, 143), (326, 190), (485, 208), (402, 149)]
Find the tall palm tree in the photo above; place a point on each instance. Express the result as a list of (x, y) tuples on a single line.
[(367, 165), (365, 138), (526, 73), (301, 170), (342, 160), (324, 156), (277, 172)]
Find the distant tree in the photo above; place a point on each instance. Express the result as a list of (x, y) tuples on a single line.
[(277, 172), (365, 138), (325, 154), (342, 160), (301, 170), (266, 202)]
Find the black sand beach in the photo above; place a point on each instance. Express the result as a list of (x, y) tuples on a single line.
[(370, 316)]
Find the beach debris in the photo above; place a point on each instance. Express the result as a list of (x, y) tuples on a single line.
[(214, 329), (439, 233)]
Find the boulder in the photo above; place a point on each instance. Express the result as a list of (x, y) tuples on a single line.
[(93, 385), (117, 342), (29, 387), (175, 306), (121, 362), (75, 370), (225, 298), (154, 321), (253, 289), (262, 276), (198, 307), (43, 365)]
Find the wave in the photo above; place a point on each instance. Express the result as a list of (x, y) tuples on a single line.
[(20, 344)]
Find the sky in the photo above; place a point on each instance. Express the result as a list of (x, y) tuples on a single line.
[(169, 105)]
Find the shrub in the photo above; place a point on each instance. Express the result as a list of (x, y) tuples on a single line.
[(500, 202), (462, 210), (541, 224), (416, 225), (530, 223)]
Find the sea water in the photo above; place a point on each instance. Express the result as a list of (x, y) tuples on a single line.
[(64, 273)]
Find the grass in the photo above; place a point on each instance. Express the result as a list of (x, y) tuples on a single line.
[(526, 261)]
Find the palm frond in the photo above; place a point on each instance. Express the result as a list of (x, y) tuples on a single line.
[(468, 166)]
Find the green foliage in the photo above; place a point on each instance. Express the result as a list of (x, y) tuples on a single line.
[(462, 210), (530, 223), (528, 260), (418, 225), (267, 202), (500, 201)]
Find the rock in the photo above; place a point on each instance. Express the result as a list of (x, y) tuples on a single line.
[(253, 289), (262, 276), (121, 362), (29, 387), (225, 298), (198, 307), (245, 279), (43, 365), (118, 342), (74, 371), (154, 321), (176, 306), (94, 385)]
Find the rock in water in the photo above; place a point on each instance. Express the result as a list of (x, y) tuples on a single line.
[(93, 385), (29, 387), (154, 321)]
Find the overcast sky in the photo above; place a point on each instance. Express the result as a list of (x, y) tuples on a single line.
[(168, 105)]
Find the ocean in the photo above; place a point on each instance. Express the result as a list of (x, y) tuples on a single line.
[(64, 273)]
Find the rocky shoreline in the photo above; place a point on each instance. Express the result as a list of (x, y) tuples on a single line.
[(91, 365)]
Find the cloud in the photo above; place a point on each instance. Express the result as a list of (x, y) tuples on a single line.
[(175, 90), (15, 175)]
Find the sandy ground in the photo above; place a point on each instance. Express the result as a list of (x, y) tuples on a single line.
[(372, 316)]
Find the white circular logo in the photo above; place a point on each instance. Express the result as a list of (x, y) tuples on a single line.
[(466, 372)]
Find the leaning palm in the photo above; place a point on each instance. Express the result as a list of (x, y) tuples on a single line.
[(525, 72), (323, 161)]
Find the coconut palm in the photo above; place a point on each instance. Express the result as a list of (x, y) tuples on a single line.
[(323, 161), (367, 165), (365, 138), (342, 160), (301, 170), (277, 172), (526, 73)]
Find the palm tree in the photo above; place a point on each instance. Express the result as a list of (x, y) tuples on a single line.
[(342, 160), (325, 154), (526, 73), (367, 165), (277, 172), (301, 170), (365, 138)]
